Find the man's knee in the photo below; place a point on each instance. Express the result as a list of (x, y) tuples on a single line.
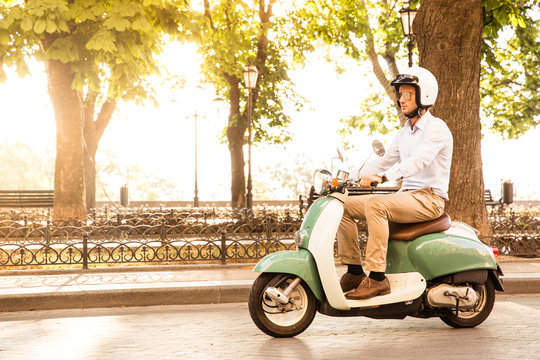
[(375, 206)]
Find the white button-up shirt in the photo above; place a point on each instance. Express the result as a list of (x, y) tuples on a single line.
[(421, 156)]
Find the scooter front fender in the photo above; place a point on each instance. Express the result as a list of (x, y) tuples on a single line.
[(300, 263)]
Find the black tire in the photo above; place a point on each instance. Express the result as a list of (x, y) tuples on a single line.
[(482, 309), (281, 320)]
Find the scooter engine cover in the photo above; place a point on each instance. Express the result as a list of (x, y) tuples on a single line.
[(445, 295)]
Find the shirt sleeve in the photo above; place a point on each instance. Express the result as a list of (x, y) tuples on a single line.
[(435, 139), (380, 164)]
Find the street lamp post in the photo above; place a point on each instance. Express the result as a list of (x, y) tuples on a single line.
[(407, 17), (250, 79), (196, 198)]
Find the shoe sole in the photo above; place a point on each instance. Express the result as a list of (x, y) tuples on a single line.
[(383, 292)]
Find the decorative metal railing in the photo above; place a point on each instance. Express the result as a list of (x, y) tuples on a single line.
[(515, 233), (188, 236)]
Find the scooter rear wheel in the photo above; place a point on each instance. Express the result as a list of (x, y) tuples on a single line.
[(281, 320), (482, 309)]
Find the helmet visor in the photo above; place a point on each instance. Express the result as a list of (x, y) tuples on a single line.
[(404, 79)]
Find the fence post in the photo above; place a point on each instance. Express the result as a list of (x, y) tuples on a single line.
[(223, 248), (162, 232), (85, 251), (48, 233)]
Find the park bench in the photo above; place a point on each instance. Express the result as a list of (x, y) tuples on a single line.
[(26, 198), (489, 199)]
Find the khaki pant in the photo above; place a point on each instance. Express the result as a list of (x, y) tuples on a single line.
[(401, 207)]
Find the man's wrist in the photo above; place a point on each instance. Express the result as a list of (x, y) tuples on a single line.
[(383, 178)]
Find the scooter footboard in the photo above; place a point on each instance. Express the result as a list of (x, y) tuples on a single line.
[(300, 263)]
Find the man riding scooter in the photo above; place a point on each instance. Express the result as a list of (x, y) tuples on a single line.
[(420, 155)]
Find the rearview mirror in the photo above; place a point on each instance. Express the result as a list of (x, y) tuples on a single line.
[(378, 148)]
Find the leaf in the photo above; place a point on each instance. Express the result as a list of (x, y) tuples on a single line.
[(64, 50), (102, 40), (51, 26), (63, 26), (39, 26), (4, 38), (141, 24), (22, 68), (26, 24)]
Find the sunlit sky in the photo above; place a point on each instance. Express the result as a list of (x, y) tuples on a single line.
[(160, 140)]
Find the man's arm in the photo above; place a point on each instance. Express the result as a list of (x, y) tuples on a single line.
[(383, 163), (435, 140)]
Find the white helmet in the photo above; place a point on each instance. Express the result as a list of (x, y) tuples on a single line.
[(424, 82)]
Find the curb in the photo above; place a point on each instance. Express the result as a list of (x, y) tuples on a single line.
[(126, 297), (205, 294), (521, 285)]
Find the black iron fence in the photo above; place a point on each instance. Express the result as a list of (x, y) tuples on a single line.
[(149, 237), (188, 236), (515, 233)]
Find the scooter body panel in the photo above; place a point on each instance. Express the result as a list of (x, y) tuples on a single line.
[(438, 254), (323, 251), (441, 254), (300, 263), (311, 217)]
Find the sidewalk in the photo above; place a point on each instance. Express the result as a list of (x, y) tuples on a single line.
[(23, 290)]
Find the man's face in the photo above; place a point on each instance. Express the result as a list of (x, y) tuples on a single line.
[(407, 96)]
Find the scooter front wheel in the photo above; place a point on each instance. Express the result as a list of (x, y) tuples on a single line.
[(277, 319)]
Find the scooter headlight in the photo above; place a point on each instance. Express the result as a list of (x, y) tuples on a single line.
[(321, 181)]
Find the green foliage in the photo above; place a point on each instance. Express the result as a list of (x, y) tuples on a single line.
[(143, 185), (25, 168), (287, 178), (110, 46), (233, 36), (375, 116), (356, 26), (511, 70), (510, 80)]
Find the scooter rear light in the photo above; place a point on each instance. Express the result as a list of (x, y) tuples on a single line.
[(495, 252)]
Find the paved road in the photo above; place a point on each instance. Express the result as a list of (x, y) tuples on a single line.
[(225, 331)]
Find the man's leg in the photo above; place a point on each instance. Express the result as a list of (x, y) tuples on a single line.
[(347, 235), (402, 207), (348, 247)]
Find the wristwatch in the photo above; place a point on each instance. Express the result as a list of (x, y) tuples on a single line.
[(383, 177)]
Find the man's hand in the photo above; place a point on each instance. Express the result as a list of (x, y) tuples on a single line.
[(367, 180)]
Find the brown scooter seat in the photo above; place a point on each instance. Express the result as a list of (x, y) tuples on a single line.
[(411, 231)]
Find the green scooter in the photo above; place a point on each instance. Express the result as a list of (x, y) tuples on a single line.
[(437, 268)]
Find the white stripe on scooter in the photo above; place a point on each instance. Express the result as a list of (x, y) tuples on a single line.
[(404, 287)]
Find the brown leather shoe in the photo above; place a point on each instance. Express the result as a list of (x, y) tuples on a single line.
[(370, 288), (349, 281)]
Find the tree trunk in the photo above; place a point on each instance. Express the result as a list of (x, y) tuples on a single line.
[(449, 37), (69, 199), (93, 131), (235, 136)]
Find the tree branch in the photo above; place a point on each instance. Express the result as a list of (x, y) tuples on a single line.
[(104, 117)]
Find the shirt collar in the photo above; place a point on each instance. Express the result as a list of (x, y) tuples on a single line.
[(420, 124)]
